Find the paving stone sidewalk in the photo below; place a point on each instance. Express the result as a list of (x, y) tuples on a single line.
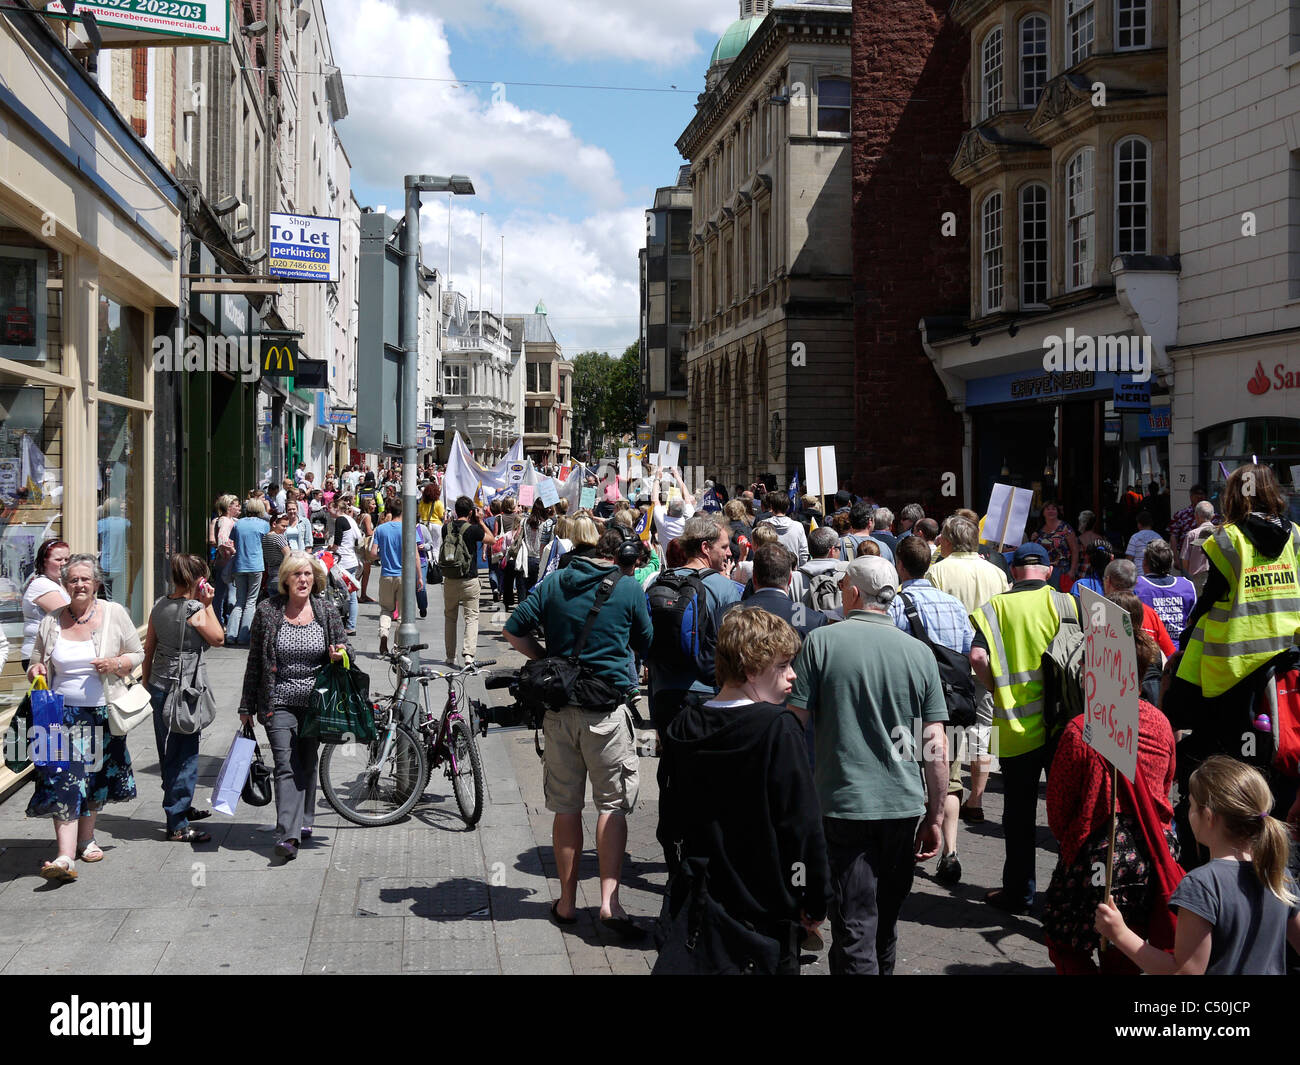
[(421, 896)]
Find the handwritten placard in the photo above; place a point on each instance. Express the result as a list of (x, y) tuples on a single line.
[(527, 493), (547, 492), (588, 499), (1110, 682)]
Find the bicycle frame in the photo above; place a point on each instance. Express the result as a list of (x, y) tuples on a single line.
[(437, 741)]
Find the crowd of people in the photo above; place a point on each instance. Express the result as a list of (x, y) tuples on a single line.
[(830, 692)]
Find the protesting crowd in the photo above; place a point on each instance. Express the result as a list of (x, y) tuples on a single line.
[(831, 690)]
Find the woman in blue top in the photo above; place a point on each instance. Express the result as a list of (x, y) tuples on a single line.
[(1100, 555), (249, 565)]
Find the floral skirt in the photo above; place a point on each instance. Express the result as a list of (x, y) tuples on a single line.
[(1070, 913), (99, 769)]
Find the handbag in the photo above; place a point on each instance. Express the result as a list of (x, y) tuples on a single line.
[(133, 707), (189, 708), (696, 936), (339, 710), (257, 790)]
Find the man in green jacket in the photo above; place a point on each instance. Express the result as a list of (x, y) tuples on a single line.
[(583, 743)]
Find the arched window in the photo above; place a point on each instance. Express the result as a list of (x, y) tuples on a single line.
[(991, 251), (1033, 59), (1132, 25), (1132, 196), (1080, 30), (1080, 220), (1033, 245), (991, 73)]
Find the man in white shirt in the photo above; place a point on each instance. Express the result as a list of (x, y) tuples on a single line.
[(1137, 544), (670, 522), (788, 531)]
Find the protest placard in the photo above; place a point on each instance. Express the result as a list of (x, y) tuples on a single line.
[(588, 499), (548, 492), (1110, 682), (819, 471), (526, 495), (1007, 514)]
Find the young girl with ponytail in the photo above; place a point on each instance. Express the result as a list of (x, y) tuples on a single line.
[(1236, 913)]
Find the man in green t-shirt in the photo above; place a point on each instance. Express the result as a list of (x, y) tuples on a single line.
[(878, 703)]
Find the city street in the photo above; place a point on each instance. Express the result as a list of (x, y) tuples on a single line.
[(422, 896)]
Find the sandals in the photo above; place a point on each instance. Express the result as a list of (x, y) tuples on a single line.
[(189, 835), (196, 815), (61, 869), (89, 851), (564, 922)]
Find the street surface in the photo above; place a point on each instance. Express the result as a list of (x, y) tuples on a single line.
[(423, 896)]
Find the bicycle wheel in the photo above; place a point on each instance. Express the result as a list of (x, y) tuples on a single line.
[(372, 794), (467, 777)]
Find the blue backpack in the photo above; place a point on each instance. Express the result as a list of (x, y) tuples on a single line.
[(684, 634)]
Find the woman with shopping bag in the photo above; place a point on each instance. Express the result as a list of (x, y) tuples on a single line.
[(84, 651), (181, 626), (294, 633)]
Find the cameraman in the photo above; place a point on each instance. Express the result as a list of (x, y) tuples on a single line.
[(582, 743)]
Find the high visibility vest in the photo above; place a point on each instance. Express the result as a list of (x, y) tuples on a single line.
[(1257, 620), (1018, 627)]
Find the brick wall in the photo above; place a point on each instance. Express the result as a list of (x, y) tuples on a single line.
[(909, 62)]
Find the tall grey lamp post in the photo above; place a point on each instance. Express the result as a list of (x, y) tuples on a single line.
[(407, 633)]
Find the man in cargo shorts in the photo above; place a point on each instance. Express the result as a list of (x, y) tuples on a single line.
[(582, 743)]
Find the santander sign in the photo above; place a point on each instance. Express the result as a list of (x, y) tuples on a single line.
[(1282, 378)]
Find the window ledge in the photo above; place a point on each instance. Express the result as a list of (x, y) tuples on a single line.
[(1293, 61)]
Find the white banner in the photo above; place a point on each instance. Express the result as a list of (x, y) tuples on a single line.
[(465, 477)]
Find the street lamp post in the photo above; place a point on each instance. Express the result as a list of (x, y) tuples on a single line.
[(407, 633)]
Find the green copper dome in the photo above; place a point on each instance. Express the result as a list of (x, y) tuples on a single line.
[(733, 42), (540, 308)]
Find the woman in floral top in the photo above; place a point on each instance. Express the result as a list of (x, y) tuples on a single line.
[(1061, 543)]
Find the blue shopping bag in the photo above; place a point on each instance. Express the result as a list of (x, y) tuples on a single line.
[(234, 771), (51, 743)]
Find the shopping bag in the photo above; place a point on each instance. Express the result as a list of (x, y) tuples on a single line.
[(339, 710), (17, 753), (51, 743), (234, 771)]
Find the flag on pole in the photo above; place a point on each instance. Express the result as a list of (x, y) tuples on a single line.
[(812, 524), (711, 503), (794, 489)]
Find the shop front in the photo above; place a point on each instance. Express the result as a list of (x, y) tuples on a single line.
[(1079, 438), (1238, 402), (89, 239)]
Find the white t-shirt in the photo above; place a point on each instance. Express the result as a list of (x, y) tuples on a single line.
[(347, 547), (32, 613), (671, 528), (74, 677)]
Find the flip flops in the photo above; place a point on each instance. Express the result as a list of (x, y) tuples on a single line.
[(89, 851), (61, 869)]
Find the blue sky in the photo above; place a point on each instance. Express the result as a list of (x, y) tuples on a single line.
[(565, 174)]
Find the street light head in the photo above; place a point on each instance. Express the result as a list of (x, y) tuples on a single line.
[(461, 185), (458, 184)]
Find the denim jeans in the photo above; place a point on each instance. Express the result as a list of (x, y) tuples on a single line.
[(178, 757), (246, 586), (352, 599)]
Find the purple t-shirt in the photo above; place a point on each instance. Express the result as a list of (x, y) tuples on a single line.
[(1172, 598)]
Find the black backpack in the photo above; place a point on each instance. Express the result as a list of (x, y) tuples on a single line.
[(684, 634), (954, 670)]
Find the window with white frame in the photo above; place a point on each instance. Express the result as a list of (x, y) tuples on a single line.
[(1033, 245), (1080, 29), (1033, 59), (991, 251), (1080, 220), (833, 102), (454, 380), (991, 73), (1132, 197), (1132, 25)]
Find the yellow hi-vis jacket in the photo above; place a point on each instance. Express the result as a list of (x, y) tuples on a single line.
[(1257, 621), (1019, 627)]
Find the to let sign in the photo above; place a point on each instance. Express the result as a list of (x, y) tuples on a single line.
[(304, 247), (1110, 682)]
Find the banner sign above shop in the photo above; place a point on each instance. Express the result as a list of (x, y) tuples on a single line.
[(205, 20), (304, 247), (1158, 421)]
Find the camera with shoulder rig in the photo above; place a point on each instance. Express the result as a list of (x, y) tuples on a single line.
[(514, 713)]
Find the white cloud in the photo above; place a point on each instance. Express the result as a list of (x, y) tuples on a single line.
[(584, 271), (398, 126), (661, 33)]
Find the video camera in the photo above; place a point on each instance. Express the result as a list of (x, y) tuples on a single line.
[(512, 714)]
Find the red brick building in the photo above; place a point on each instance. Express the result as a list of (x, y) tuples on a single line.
[(909, 78)]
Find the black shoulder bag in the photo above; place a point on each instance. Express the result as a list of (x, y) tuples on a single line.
[(559, 681), (954, 670)]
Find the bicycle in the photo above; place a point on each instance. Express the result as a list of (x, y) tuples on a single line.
[(379, 783)]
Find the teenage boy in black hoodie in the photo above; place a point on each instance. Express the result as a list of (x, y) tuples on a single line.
[(738, 792)]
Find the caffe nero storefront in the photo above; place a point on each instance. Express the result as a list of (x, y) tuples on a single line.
[(1080, 437)]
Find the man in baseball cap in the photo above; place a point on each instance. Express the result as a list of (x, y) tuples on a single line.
[(872, 690), (1012, 630)]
